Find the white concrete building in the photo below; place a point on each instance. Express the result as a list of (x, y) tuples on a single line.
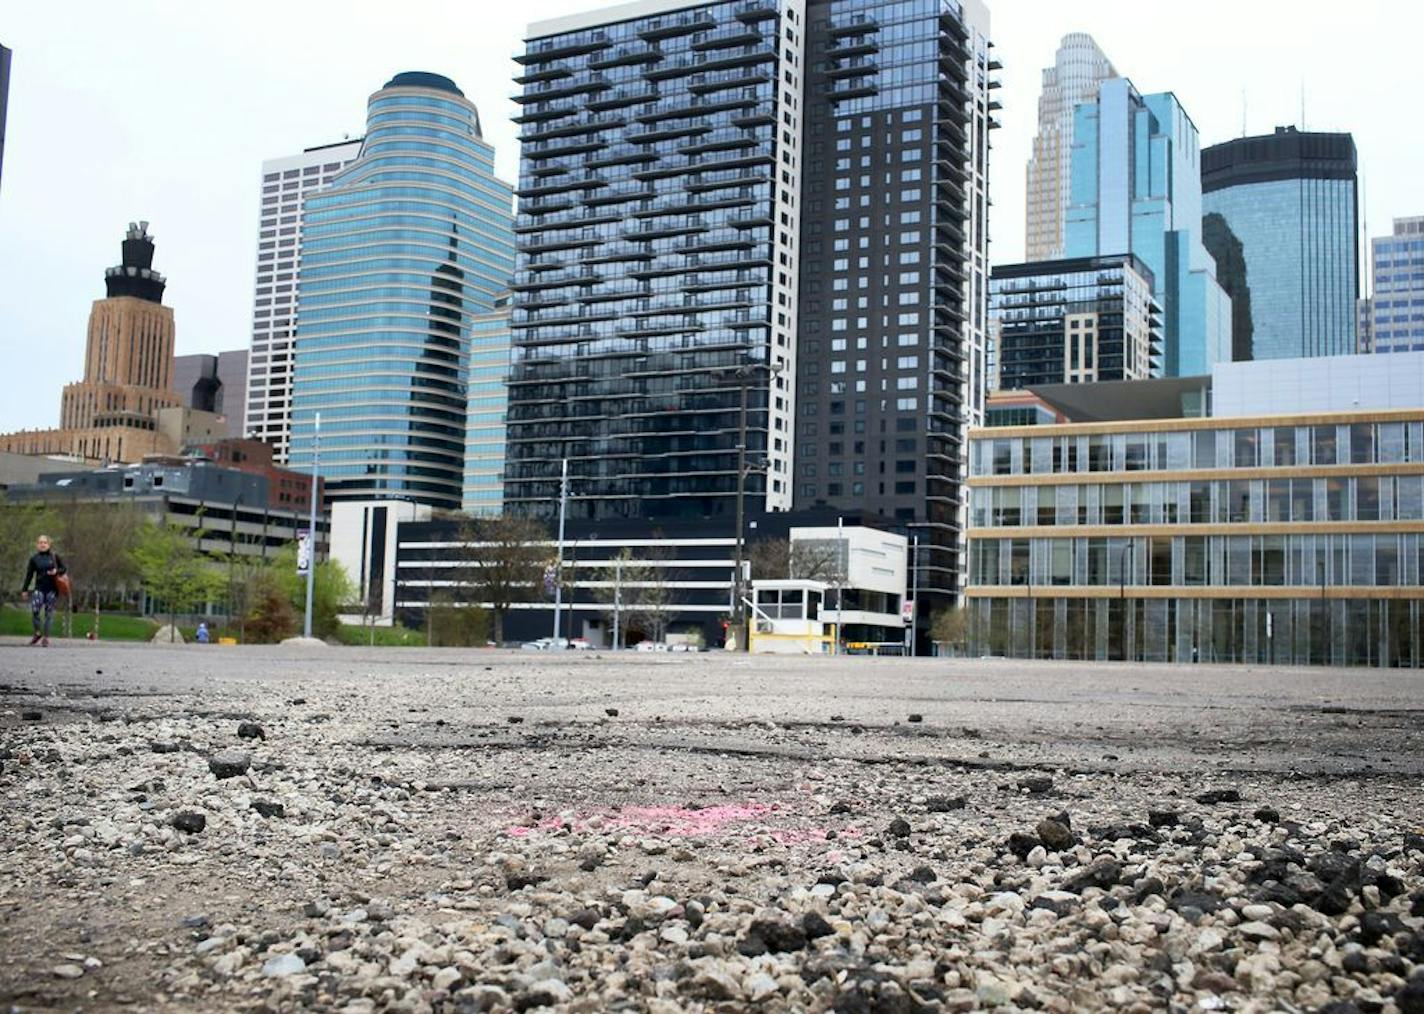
[(286, 182)]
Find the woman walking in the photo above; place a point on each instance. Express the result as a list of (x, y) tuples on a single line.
[(45, 569)]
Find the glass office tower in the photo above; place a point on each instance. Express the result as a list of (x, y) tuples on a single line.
[(1136, 188), (894, 266), (659, 180), (1290, 199), (1074, 322), (487, 398), (408, 243)]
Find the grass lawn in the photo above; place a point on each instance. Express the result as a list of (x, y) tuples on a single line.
[(386, 637), (15, 622)]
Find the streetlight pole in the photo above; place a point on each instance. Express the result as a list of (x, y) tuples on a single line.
[(744, 376), (311, 527), (559, 550), (1122, 554), (738, 610)]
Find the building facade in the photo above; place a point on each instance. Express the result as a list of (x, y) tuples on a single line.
[(1074, 322), (405, 246), (1291, 200), (4, 99), (1281, 539), (286, 184), (113, 413), (1136, 188), (660, 175), (214, 383), (892, 352), (1079, 67), (1396, 306), (486, 409)]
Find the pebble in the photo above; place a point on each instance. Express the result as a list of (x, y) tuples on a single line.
[(283, 964), (229, 763)]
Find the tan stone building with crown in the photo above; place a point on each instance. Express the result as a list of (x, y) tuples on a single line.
[(125, 407)]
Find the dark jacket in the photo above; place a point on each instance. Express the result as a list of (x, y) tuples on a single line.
[(39, 571)]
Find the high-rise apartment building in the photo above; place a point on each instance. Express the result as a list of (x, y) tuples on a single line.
[(659, 185), (1396, 306), (891, 355), (676, 253), (1291, 200), (286, 184), (1074, 322), (486, 403), (1078, 69), (4, 99), (405, 246), (1136, 188)]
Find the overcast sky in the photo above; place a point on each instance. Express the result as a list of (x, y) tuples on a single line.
[(165, 110)]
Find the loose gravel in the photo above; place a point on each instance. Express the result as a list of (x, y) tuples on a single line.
[(203, 828)]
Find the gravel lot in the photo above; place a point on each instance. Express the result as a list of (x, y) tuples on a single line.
[(204, 828)]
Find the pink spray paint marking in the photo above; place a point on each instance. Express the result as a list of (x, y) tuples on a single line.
[(683, 822)]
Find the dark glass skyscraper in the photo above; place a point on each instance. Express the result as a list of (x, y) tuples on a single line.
[(777, 196), (1291, 200), (894, 287), (409, 242), (660, 172)]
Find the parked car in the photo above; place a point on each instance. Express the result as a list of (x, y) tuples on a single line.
[(650, 646), (581, 644), (547, 644)]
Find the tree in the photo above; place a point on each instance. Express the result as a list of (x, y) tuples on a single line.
[(453, 625), (271, 616), (96, 541), (643, 590), (806, 559), (20, 524), (503, 563), (950, 627), (332, 589), (172, 572)]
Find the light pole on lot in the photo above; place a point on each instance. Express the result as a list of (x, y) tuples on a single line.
[(559, 551), (744, 375), (311, 527)]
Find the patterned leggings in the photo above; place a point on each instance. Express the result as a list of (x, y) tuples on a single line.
[(42, 604)]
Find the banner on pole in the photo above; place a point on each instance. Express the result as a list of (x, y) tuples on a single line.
[(907, 611), (304, 552)]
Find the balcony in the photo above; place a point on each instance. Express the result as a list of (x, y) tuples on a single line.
[(658, 269), (625, 56), (559, 147), (854, 46), (682, 107), (620, 193), (539, 51), (620, 97), (852, 90), (723, 38), (671, 27), (654, 328), (533, 281), (756, 10), (545, 244), (542, 112), (620, 155), (722, 180), (547, 74), (535, 318), (708, 283), (562, 89), (666, 133), (583, 125), (852, 24), (644, 231), (714, 244), (525, 224), (614, 253), (722, 140), (561, 184), (703, 84), (856, 68)]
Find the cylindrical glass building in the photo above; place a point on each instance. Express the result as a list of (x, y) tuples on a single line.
[(409, 242)]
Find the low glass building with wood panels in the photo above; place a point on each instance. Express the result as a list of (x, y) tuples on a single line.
[(1282, 539)]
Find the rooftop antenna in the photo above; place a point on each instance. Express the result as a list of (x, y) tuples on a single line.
[(1243, 112), (1302, 105)]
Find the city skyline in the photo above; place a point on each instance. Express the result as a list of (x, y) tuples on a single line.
[(197, 191)]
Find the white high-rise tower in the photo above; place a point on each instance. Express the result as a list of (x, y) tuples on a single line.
[(286, 183), (1077, 71)]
